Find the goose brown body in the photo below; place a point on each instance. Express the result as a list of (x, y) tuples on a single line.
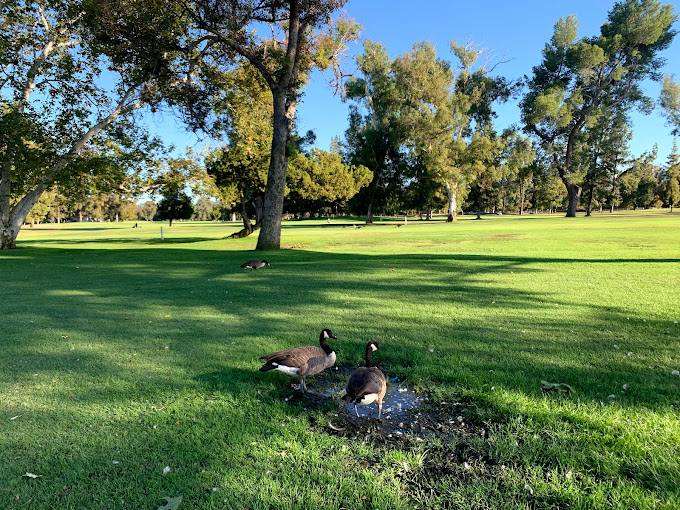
[(302, 361), (366, 384), (255, 264)]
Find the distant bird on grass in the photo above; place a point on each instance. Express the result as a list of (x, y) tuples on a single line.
[(255, 264), (366, 384), (302, 361)]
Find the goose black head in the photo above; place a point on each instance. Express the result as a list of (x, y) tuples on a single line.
[(327, 333), (266, 263), (374, 346)]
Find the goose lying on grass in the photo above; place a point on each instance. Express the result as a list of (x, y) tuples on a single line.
[(255, 264)]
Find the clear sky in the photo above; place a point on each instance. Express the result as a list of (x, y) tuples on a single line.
[(515, 30)]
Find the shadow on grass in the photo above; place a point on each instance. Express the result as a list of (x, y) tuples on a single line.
[(172, 338)]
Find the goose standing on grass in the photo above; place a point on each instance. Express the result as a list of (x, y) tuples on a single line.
[(255, 264), (303, 361), (367, 384)]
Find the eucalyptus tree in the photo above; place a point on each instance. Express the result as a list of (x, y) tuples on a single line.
[(373, 138), (447, 115), (518, 162), (579, 79), (283, 40)]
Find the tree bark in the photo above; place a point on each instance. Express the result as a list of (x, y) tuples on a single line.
[(369, 212), (521, 197), (247, 227), (573, 195), (590, 199), (453, 202), (270, 233)]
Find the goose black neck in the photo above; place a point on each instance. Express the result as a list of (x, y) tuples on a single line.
[(324, 345), (369, 361)]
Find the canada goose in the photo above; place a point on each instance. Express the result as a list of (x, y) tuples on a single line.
[(366, 384), (302, 361), (255, 264)]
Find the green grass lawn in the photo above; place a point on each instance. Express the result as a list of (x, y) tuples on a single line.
[(122, 354)]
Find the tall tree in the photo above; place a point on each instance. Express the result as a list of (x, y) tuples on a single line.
[(579, 79), (373, 138), (672, 178), (242, 165), (302, 37), (518, 158), (58, 120)]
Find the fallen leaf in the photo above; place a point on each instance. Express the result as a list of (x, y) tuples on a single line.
[(333, 427), (346, 303), (64, 336), (558, 387), (172, 503), (31, 475)]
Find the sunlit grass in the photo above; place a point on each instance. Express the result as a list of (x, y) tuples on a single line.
[(117, 346)]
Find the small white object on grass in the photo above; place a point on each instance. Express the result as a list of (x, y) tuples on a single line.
[(528, 488), (166, 470), (626, 386), (675, 372), (612, 396)]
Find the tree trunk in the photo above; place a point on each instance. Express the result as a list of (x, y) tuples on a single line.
[(258, 204), (521, 197), (170, 225), (369, 212), (270, 233), (573, 195), (247, 227), (8, 236), (590, 199), (453, 202)]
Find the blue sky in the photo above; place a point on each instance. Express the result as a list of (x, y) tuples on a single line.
[(516, 30)]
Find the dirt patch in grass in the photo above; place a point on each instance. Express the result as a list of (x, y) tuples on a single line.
[(408, 419)]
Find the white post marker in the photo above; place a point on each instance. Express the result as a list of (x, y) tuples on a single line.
[(405, 220), (162, 238)]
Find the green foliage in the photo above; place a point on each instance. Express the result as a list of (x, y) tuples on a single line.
[(670, 102), (578, 78), (147, 210), (321, 178), (175, 205)]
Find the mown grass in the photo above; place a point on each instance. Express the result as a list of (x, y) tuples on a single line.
[(117, 346)]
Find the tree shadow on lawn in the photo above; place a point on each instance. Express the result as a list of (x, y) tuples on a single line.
[(79, 292), (220, 319)]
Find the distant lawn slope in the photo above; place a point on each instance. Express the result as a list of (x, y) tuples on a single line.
[(122, 354)]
